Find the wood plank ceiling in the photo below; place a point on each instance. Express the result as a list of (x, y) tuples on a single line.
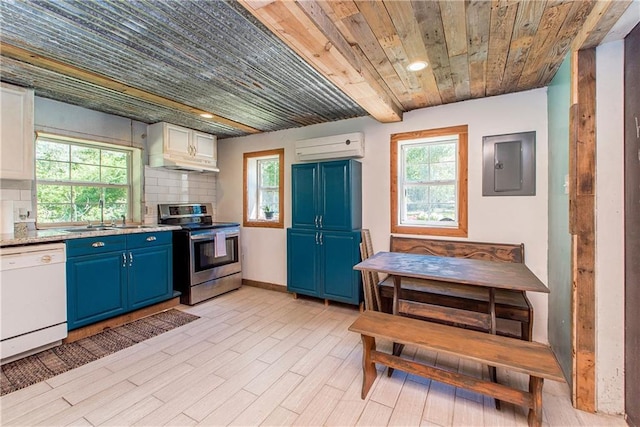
[(261, 65)]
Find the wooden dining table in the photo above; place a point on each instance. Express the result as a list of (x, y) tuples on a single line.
[(489, 275), (443, 271)]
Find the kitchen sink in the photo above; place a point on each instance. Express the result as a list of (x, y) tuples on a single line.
[(133, 226), (88, 229)]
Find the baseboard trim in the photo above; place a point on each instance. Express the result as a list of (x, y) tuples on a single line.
[(96, 328), (265, 285)]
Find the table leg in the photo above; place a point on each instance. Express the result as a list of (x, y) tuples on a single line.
[(397, 348), (492, 309), (492, 312), (397, 280)]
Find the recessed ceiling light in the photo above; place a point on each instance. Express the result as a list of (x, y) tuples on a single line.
[(417, 66), (207, 115)]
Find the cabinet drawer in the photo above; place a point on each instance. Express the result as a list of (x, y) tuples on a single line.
[(143, 240), (95, 245)]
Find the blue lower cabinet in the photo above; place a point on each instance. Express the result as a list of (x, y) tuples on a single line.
[(150, 276), (340, 252), (96, 288), (111, 275), (320, 264), (303, 262)]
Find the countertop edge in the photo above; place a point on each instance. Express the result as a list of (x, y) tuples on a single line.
[(56, 235)]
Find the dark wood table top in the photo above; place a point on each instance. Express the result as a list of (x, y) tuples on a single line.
[(490, 274)]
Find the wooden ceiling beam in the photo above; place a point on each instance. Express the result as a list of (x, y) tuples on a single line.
[(599, 22), (306, 29), (40, 61)]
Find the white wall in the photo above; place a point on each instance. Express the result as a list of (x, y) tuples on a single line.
[(492, 219), (70, 120), (610, 227)]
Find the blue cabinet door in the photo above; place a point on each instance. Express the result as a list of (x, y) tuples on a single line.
[(96, 288), (340, 252), (304, 195), (302, 261), (150, 275), (340, 195)]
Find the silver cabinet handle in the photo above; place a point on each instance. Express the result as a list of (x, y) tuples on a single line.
[(151, 238), (321, 239), (97, 244), (316, 237), (124, 259), (321, 221), (315, 221), (130, 259)]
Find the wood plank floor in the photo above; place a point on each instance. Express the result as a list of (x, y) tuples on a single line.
[(259, 357)]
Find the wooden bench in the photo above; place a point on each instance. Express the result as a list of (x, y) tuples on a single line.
[(531, 358), (456, 303)]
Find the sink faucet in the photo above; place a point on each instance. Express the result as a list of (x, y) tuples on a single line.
[(123, 220), (101, 204)]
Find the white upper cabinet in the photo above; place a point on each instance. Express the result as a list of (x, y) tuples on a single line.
[(177, 140), (175, 147), (16, 135), (204, 146)]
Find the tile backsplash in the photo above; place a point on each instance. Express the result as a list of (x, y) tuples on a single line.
[(17, 192), (160, 186), (167, 186)]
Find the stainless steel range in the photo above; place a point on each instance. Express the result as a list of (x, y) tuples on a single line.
[(207, 257)]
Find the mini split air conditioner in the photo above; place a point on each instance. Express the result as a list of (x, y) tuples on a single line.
[(331, 147)]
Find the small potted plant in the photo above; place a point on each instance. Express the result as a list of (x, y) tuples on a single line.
[(268, 213)]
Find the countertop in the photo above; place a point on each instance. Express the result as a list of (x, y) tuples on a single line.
[(51, 235)]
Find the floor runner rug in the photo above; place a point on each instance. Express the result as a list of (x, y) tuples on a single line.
[(46, 364)]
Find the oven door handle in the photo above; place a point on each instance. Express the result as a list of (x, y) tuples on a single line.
[(207, 236), (211, 236)]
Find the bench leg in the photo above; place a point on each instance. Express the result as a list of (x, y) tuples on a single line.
[(535, 413), (369, 372), (493, 374), (397, 351), (526, 328)]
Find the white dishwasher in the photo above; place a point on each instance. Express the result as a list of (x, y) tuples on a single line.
[(33, 298)]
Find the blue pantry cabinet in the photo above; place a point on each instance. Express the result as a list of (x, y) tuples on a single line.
[(323, 243), (111, 275), (327, 195)]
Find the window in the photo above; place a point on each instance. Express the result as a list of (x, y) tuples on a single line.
[(73, 178), (429, 182), (263, 189)]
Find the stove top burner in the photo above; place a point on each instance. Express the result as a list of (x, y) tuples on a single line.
[(190, 216)]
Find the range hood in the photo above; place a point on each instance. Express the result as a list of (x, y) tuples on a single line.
[(178, 164)]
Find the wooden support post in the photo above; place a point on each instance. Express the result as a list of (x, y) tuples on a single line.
[(582, 202)]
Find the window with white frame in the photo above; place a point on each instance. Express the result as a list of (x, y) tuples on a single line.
[(82, 181), (263, 176), (430, 174)]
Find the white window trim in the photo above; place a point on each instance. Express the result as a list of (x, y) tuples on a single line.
[(134, 164), (403, 184)]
